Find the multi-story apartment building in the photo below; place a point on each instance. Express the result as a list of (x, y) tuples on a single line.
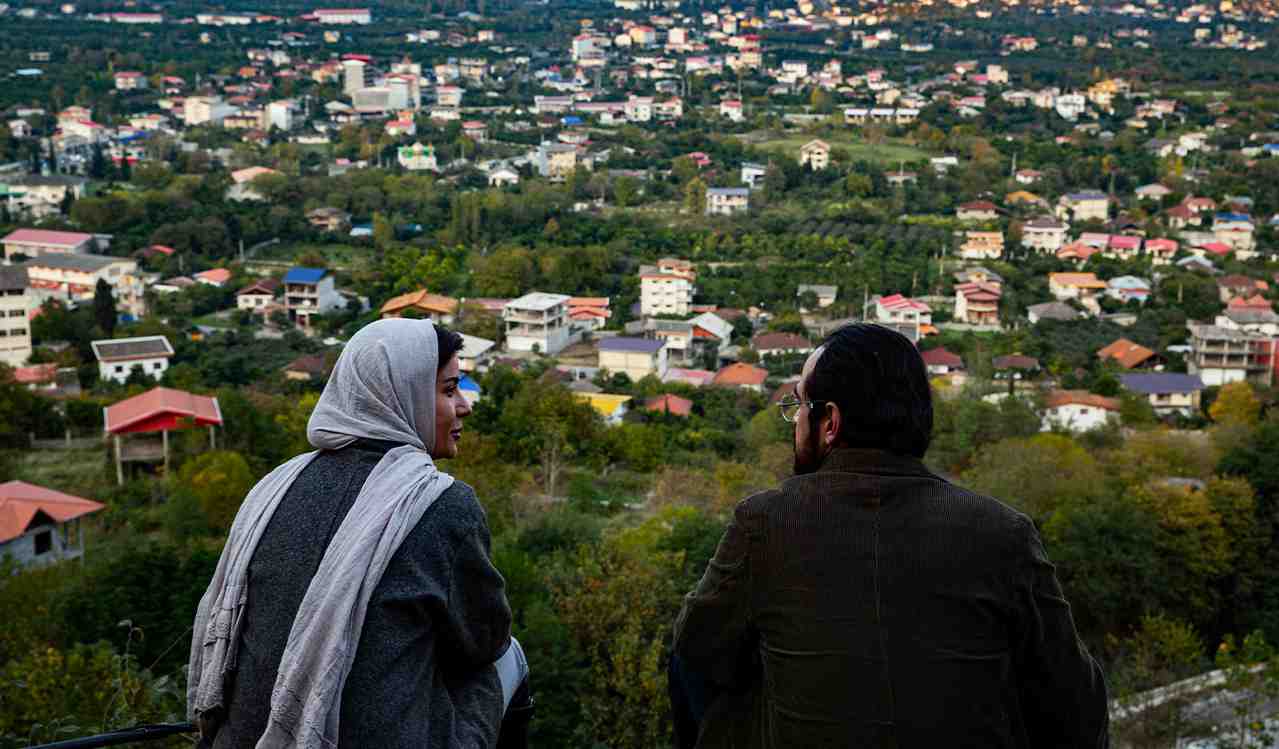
[(1220, 355), (1084, 206), (982, 245), (74, 278), (15, 314), (726, 201), (309, 292), (538, 322), (1044, 234), (667, 289), (977, 303)]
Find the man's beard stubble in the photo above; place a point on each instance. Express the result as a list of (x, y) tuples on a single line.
[(806, 458)]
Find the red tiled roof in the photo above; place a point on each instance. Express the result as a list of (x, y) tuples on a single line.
[(161, 405), (940, 357), (773, 341), (1126, 353), (20, 501), (215, 275), (36, 374), (1058, 398), (671, 404), (44, 236), (740, 374)]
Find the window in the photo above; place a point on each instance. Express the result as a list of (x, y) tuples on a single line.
[(17, 331), (157, 366), (119, 369), (16, 313), (4, 333), (44, 542)]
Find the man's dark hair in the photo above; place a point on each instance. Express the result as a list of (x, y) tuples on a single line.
[(877, 378), (449, 344)]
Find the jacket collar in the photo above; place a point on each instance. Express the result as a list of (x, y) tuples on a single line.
[(877, 462)]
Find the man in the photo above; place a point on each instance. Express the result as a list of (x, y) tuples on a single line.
[(868, 602)]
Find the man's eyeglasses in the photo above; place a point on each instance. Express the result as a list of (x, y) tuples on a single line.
[(790, 405)]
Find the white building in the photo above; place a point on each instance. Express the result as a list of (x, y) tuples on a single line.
[(74, 279), (538, 322), (200, 110), (667, 289), (344, 16), (352, 76), (36, 242), (726, 201), (1078, 410), (279, 114), (15, 315), (636, 357), (118, 357), (1044, 234)]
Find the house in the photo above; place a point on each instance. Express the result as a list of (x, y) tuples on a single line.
[(1130, 355), (558, 160), (37, 242), (243, 187), (668, 288), (1235, 286), (329, 219), (897, 309), (40, 526), (1154, 191), (38, 196), (1078, 252), (503, 176), (475, 354), (815, 154), (977, 303), (940, 361), (741, 375), (1128, 289), (422, 304), (15, 312), (216, 277), (726, 201), (1083, 206), (1044, 234), (636, 357), (826, 294), (307, 368), (692, 377), (1123, 247), (589, 312), (1078, 410), (752, 175), (258, 295), (118, 357), (538, 322), (612, 407), (780, 344), (74, 278), (1221, 355), (1252, 315), (1059, 311), (1169, 393), (977, 210), (731, 109), (982, 245), (309, 292), (1161, 251), (417, 158), (1079, 286), (672, 405)]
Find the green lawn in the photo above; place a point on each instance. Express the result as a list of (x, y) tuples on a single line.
[(338, 255), (888, 152), (83, 473)]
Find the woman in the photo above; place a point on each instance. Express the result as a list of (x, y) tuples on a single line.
[(355, 604)]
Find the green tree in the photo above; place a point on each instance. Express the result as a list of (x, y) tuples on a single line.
[(219, 480), (104, 307), (1159, 653), (1038, 475), (1236, 405), (695, 196)]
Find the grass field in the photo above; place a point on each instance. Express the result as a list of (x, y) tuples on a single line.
[(887, 152), (344, 256), (80, 472)]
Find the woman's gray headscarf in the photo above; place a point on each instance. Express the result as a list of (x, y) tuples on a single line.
[(382, 388)]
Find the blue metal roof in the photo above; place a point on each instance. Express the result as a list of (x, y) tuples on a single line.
[(1155, 383), (637, 345), (304, 275)]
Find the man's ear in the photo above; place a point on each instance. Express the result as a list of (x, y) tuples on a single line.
[(831, 424)]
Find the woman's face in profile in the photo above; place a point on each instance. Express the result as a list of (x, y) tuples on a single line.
[(450, 408)]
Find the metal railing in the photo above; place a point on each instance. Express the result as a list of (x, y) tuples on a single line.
[(123, 736)]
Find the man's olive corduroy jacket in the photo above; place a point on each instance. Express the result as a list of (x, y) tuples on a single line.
[(874, 604)]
